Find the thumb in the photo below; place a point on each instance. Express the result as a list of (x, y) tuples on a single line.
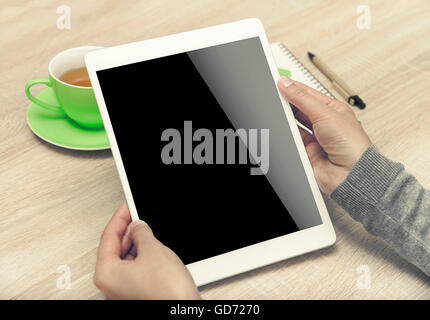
[(307, 103), (142, 235)]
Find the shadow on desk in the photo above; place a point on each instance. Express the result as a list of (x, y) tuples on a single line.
[(75, 153)]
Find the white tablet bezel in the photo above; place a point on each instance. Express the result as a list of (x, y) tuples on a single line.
[(254, 256)]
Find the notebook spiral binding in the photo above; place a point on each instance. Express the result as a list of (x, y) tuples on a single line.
[(306, 72)]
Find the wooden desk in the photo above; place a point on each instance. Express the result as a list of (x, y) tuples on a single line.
[(56, 202)]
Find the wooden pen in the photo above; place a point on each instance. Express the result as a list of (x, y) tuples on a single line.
[(338, 84)]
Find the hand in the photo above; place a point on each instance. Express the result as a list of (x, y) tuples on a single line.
[(338, 139), (133, 264)]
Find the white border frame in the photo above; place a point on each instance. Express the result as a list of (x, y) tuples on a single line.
[(247, 258)]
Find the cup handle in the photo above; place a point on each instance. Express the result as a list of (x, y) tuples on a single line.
[(46, 105)]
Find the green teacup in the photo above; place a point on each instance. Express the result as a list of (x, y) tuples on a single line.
[(78, 103)]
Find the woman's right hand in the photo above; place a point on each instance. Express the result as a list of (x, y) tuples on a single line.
[(338, 139)]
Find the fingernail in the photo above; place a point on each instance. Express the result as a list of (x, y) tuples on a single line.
[(285, 81), (137, 222)]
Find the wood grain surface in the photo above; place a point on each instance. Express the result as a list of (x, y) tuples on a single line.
[(56, 202)]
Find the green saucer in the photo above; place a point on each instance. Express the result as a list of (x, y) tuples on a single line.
[(61, 130)]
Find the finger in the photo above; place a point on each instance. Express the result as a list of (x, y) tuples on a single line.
[(333, 103), (142, 236), (315, 153), (129, 257), (303, 119), (306, 137), (313, 108), (126, 242), (131, 252), (110, 243), (313, 149), (320, 96)]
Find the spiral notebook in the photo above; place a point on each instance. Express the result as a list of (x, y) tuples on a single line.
[(286, 60)]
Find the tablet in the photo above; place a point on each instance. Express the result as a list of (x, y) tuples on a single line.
[(208, 152)]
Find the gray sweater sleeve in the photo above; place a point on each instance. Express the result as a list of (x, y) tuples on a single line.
[(390, 203)]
